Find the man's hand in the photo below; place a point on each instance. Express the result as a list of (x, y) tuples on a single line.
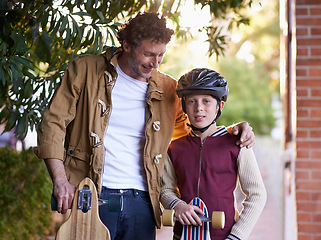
[(63, 191), (247, 138), (187, 214)]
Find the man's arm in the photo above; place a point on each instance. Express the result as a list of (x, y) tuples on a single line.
[(63, 191)]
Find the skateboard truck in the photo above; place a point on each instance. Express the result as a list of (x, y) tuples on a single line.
[(84, 199)]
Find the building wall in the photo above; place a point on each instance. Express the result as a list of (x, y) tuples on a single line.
[(308, 119)]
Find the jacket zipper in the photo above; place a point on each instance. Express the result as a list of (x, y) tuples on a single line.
[(200, 170)]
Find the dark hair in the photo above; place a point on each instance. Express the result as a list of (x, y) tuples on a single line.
[(144, 26)]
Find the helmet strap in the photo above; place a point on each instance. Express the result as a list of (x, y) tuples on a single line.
[(207, 127)]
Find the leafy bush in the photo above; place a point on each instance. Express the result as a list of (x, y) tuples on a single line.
[(24, 195)]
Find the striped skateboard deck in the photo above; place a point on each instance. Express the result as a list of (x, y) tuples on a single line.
[(191, 232)]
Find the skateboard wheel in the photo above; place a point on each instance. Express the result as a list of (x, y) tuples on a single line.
[(115, 203), (218, 219), (168, 217)]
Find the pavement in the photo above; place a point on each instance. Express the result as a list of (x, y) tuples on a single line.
[(270, 223)]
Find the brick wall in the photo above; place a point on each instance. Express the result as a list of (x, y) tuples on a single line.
[(308, 135)]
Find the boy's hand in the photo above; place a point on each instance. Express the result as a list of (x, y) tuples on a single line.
[(187, 214), (247, 138)]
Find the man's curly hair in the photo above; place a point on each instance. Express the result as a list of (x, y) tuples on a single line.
[(144, 26)]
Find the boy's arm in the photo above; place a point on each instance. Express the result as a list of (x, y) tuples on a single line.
[(253, 187), (169, 194), (247, 137)]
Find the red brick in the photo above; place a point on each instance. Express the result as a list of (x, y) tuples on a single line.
[(301, 113), (302, 92), (302, 51), (302, 175), (308, 206), (309, 103), (307, 82), (308, 185), (307, 2), (302, 134), (302, 236), (303, 154), (315, 113), (316, 175), (315, 51), (308, 144), (316, 154), (309, 227), (316, 196), (316, 93), (305, 165), (315, 31), (309, 123), (316, 217), (301, 72), (301, 32), (315, 134), (304, 217), (301, 11), (308, 21), (308, 41), (310, 61), (315, 11), (315, 72)]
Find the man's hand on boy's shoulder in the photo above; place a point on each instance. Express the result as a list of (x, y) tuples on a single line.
[(247, 138)]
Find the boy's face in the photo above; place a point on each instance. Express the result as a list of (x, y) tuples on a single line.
[(201, 109)]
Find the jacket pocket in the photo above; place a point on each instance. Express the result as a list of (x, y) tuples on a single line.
[(77, 165)]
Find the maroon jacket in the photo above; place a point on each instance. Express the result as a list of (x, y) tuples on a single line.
[(208, 171)]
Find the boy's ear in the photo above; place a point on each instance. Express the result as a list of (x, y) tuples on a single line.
[(222, 105)]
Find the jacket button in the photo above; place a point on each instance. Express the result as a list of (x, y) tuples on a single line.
[(157, 158), (71, 152), (156, 126)]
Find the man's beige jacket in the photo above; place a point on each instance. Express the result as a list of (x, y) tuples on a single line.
[(75, 121)]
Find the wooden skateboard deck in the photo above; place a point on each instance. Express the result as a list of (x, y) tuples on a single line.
[(84, 222), (191, 232)]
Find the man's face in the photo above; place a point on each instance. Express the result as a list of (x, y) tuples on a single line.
[(144, 58)]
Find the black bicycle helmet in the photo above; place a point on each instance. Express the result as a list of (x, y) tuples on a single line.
[(203, 81)]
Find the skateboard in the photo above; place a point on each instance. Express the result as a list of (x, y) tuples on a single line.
[(84, 222), (191, 232)]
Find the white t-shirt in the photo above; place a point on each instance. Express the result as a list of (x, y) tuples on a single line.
[(124, 138)]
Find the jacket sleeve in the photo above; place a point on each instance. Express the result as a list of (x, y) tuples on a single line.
[(169, 194), (181, 128), (60, 112), (255, 194)]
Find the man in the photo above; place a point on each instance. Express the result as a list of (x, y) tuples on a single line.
[(112, 119)]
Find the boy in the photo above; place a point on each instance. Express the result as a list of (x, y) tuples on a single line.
[(207, 163)]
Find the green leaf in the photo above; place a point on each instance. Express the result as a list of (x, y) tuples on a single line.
[(43, 49), (67, 39), (63, 24), (25, 62), (100, 15), (3, 76), (20, 45)]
